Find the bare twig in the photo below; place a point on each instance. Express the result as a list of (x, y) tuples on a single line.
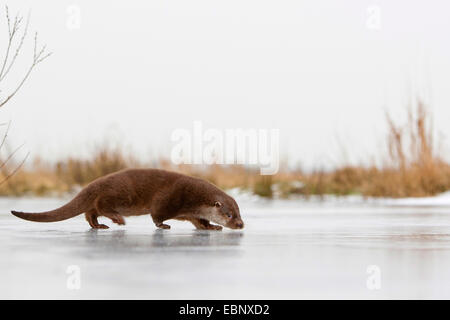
[(5, 135), (9, 42), (38, 55), (22, 40), (10, 156), (15, 170), (13, 50)]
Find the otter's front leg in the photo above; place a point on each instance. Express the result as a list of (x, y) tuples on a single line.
[(204, 224), (162, 225), (159, 222)]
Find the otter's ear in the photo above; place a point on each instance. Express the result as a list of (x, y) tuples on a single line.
[(217, 204)]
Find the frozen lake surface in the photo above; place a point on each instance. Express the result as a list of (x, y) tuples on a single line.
[(289, 249)]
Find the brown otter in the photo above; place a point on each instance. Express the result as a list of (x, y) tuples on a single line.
[(162, 194)]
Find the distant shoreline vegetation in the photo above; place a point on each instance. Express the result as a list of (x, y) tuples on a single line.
[(413, 169)]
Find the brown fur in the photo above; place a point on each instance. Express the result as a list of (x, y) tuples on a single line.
[(162, 194)]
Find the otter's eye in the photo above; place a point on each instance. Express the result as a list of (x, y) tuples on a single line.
[(229, 215), (217, 204)]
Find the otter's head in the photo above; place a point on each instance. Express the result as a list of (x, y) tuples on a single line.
[(223, 210)]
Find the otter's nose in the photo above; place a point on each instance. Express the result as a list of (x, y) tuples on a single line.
[(240, 225)]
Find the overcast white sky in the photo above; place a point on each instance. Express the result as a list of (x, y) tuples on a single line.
[(137, 70)]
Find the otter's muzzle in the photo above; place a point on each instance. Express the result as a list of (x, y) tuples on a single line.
[(237, 225)]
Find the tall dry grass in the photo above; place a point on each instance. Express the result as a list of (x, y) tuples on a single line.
[(66, 175), (413, 167)]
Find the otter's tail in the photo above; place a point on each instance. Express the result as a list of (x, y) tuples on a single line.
[(81, 203)]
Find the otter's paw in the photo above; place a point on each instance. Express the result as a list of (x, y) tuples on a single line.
[(163, 226), (118, 219), (100, 226), (214, 227)]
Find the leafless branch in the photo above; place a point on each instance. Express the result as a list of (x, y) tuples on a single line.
[(16, 54), (5, 136), (10, 156), (9, 175), (39, 55), (17, 33)]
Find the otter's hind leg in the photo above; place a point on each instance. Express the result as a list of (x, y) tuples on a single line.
[(91, 217), (105, 208)]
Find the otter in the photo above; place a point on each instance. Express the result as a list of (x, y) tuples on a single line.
[(162, 194)]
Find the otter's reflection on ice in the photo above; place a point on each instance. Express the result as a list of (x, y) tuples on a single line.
[(121, 240)]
